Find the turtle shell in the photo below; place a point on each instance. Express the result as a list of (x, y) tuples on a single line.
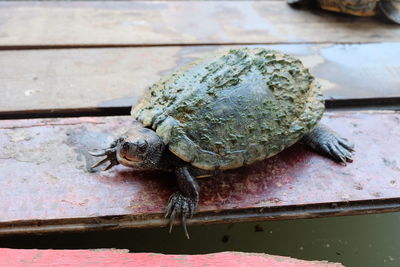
[(353, 7), (233, 107), (390, 8)]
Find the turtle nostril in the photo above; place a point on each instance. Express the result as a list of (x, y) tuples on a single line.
[(125, 146)]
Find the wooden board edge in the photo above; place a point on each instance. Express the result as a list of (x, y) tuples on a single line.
[(121, 222)]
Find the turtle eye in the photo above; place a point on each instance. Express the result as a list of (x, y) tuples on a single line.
[(141, 145), (121, 138)]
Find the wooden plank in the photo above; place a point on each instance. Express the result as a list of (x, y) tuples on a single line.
[(110, 258), (46, 186), (117, 77), (104, 23)]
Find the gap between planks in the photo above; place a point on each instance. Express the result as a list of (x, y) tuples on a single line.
[(99, 46), (390, 104)]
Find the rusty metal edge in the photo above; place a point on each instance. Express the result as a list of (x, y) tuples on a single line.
[(227, 216)]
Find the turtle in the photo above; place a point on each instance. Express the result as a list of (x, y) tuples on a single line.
[(390, 8), (226, 110)]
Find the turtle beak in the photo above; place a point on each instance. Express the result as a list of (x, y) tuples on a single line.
[(128, 152)]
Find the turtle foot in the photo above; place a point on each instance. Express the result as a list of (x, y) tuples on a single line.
[(110, 153), (327, 142), (111, 157), (183, 206)]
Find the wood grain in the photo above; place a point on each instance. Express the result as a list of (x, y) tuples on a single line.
[(116, 77), (104, 23), (47, 187)]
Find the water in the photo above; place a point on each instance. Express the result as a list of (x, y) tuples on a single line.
[(363, 240)]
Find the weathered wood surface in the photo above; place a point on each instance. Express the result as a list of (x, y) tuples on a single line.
[(46, 185), (110, 258), (116, 77), (76, 23)]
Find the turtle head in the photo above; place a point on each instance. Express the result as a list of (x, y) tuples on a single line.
[(140, 148)]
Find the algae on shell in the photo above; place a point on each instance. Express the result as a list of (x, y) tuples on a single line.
[(233, 107)]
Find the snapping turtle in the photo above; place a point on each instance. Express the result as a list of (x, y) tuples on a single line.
[(223, 111), (390, 8)]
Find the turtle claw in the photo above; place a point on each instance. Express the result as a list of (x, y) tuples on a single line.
[(327, 142), (183, 220), (109, 166), (338, 149), (98, 153), (99, 162), (111, 157), (183, 206)]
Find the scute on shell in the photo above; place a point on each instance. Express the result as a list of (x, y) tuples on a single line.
[(233, 107)]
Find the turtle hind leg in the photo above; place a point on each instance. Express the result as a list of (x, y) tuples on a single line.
[(184, 202), (327, 142)]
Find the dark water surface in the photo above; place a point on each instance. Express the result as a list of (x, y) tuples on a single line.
[(364, 240)]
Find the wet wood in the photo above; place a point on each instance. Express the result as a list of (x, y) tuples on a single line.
[(63, 79), (110, 258), (46, 185), (105, 23)]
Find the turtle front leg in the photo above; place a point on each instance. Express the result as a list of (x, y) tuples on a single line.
[(325, 141), (184, 202), (110, 153)]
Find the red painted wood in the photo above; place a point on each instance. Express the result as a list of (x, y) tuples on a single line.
[(44, 177), (33, 258)]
